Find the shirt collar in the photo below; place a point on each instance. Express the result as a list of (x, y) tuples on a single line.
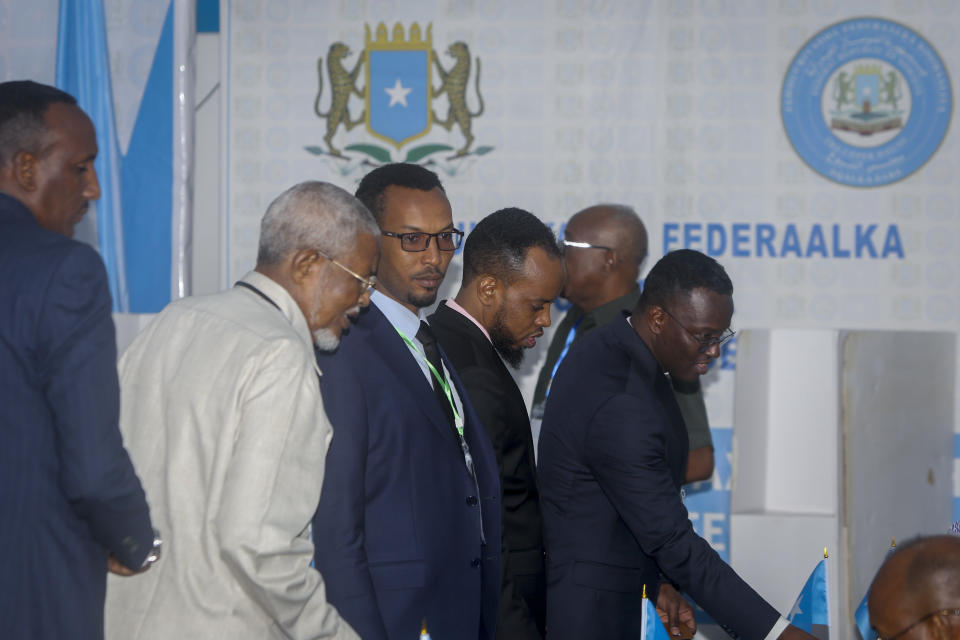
[(466, 314), (402, 319)]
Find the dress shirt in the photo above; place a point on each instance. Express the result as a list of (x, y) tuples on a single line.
[(408, 323)]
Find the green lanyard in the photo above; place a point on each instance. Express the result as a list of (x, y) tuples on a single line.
[(457, 418)]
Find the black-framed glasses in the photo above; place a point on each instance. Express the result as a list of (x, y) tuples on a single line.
[(368, 283), (938, 612), (420, 240), (584, 245), (705, 343)]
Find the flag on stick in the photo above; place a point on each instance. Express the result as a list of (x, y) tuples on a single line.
[(653, 628), (811, 610)]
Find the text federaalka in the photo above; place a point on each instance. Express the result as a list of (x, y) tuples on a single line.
[(765, 240)]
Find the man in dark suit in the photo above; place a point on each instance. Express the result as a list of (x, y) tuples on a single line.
[(613, 451), (408, 524), (512, 271), (70, 502)]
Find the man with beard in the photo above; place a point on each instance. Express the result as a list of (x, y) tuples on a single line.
[(223, 415), (512, 271), (408, 526)]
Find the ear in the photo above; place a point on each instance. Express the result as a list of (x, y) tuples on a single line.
[(24, 170), (488, 290), (611, 260), (302, 262), (656, 319)]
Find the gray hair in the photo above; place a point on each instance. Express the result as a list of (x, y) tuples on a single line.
[(312, 215)]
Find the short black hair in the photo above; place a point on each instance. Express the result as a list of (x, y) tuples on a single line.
[(499, 243), (680, 272), (23, 104), (401, 174)]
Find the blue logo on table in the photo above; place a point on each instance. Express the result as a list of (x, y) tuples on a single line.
[(866, 102)]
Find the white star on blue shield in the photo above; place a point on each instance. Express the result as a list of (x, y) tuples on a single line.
[(392, 74)]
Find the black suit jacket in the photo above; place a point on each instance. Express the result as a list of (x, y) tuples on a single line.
[(68, 492), (397, 531), (497, 399), (613, 451)]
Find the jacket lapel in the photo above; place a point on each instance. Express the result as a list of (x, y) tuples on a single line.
[(405, 371)]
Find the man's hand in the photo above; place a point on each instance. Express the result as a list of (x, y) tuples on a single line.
[(117, 567), (793, 633), (676, 614)]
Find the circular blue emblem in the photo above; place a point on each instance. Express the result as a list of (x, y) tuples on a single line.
[(866, 102)]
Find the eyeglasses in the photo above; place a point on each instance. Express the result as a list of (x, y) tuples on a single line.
[(939, 612), (419, 240), (705, 343), (585, 245), (368, 283)]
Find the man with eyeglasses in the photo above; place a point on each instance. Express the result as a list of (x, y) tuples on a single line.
[(916, 592), (408, 527), (604, 246), (613, 449), (222, 413)]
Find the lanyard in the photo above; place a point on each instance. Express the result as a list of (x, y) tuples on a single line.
[(457, 421), (457, 418), (566, 347), (247, 285)]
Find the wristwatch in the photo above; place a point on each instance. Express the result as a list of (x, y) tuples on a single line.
[(154, 554)]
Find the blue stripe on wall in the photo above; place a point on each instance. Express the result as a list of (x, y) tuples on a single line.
[(208, 16), (147, 180)]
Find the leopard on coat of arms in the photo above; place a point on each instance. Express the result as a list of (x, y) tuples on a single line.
[(454, 83), (343, 83)]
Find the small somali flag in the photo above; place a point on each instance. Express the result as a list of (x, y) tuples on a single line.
[(653, 629), (811, 610), (862, 615), (863, 620)]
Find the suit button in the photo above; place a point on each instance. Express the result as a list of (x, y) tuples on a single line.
[(475, 563), (472, 501)]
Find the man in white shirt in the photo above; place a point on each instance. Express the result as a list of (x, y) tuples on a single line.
[(223, 417)]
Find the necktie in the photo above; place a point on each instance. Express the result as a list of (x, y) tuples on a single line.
[(432, 352)]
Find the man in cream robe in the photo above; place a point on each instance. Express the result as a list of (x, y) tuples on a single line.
[(223, 417)]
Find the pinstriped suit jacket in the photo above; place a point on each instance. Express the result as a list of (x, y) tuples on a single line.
[(68, 492)]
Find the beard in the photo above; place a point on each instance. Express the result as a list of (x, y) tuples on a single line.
[(503, 342), (422, 301), (326, 340)]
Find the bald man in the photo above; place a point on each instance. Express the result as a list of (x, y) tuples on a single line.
[(916, 593), (604, 246)]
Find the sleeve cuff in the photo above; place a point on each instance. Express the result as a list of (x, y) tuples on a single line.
[(777, 629)]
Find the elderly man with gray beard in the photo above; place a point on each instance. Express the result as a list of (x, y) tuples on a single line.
[(223, 417)]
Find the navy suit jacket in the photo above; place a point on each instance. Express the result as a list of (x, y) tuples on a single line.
[(68, 492), (397, 531), (613, 452)]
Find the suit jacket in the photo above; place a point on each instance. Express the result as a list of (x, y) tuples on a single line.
[(68, 492), (501, 408), (613, 452), (223, 416), (398, 528)]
